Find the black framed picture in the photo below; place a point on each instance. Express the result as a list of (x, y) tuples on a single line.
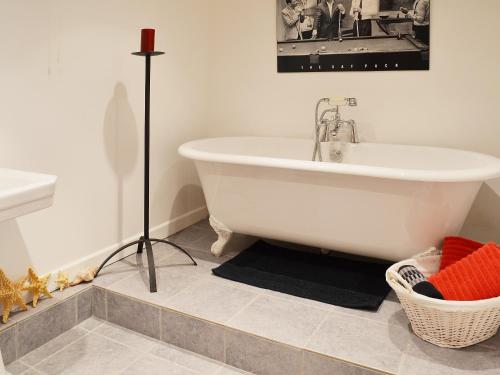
[(352, 35)]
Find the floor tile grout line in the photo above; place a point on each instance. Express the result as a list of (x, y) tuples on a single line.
[(158, 341), (110, 286), (116, 281), (224, 343), (57, 351), (106, 294), (39, 310), (87, 334), (129, 365), (273, 341), (186, 244), (25, 364), (182, 289), (76, 310), (160, 325), (299, 302), (139, 357), (37, 371), (196, 280), (403, 356), (240, 286), (188, 352), (67, 300), (331, 309), (326, 311), (379, 322), (122, 295), (308, 341), (150, 352), (351, 363), (199, 280), (229, 321), (131, 332), (302, 362), (348, 362), (181, 365), (16, 341), (89, 330)]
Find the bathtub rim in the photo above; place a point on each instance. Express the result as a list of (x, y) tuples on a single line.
[(491, 171)]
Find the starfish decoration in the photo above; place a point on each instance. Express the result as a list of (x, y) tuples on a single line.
[(10, 295), (62, 280), (37, 285)]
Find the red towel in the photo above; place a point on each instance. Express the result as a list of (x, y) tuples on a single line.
[(475, 277), (456, 248)]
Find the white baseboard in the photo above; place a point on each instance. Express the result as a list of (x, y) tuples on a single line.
[(160, 231)]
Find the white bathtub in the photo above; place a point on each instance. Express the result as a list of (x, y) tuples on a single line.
[(384, 201)]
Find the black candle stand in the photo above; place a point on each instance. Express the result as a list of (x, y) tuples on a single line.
[(145, 240)]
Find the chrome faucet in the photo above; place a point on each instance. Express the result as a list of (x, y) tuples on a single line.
[(326, 129)]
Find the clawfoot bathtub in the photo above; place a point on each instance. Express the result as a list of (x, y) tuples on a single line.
[(383, 201)]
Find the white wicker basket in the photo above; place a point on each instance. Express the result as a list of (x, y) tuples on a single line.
[(449, 324)]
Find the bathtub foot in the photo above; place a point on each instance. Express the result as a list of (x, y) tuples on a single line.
[(228, 241)]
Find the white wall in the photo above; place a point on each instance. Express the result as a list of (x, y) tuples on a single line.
[(455, 104), (72, 104)]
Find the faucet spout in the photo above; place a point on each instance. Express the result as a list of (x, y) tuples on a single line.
[(325, 129), (354, 131)]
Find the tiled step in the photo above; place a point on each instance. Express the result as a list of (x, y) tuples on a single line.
[(28, 330), (98, 347), (234, 347), (31, 340)]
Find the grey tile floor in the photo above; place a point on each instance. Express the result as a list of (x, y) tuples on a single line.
[(380, 340), (96, 347)]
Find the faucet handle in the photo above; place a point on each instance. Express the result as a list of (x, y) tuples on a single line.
[(342, 101)]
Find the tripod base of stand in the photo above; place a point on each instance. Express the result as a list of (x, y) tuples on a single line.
[(141, 243)]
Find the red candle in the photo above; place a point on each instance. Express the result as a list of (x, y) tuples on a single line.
[(147, 40)]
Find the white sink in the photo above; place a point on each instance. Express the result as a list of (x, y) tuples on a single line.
[(24, 192)]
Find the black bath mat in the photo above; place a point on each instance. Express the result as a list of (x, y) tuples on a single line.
[(338, 281)]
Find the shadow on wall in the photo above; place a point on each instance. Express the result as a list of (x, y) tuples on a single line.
[(483, 222), (187, 198), (14, 254), (121, 143)]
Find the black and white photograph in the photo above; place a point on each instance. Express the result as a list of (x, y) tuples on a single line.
[(352, 35)]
